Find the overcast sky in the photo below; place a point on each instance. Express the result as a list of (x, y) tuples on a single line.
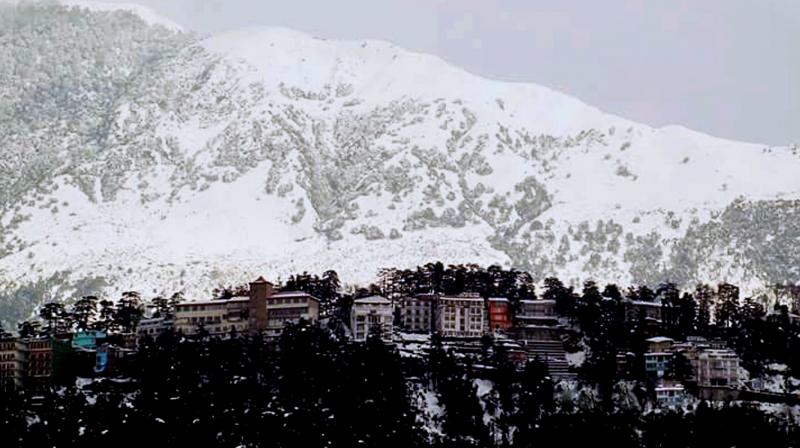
[(726, 67)]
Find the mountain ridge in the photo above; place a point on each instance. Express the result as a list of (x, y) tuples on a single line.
[(191, 162)]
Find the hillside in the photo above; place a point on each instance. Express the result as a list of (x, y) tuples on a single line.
[(136, 156)]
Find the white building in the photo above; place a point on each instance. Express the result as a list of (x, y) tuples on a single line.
[(461, 316), (670, 395), (371, 314), (214, 316), (153, 327)]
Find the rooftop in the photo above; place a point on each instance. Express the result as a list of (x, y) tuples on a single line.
[(660, 339), (464, 298), (292, 294), (377, 300), (213, 302), (642, 303), (260, 280)]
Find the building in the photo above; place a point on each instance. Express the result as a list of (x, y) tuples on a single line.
[(659, 344), (12, 363), (537, 320), (715, 367), (262, 311), (416, 313), (260, 291), (214, 316), (461, 316), (659, 356), (371, 314), (670, 395), (39, 361), (651, 311), (657, 363), (712, 363), (88, 339), (289, 307), (537, 312), (499, 313), (153, 327)]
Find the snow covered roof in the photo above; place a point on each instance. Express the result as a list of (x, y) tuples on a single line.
[(292, 294), (376, 300), (660, 339), (497, 299), (468, 298), (212, 302), (643, 303), (664, 387)]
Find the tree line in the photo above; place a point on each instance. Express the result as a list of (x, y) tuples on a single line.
[(314, 389)]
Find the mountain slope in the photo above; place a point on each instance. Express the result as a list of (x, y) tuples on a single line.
[(137, 157)]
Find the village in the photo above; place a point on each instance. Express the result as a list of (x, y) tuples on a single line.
[(464, 322)]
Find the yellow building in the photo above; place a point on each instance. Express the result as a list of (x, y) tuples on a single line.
[(214, 316), (290, 307)]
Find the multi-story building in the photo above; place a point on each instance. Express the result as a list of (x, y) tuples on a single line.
[(670, 394), (659, 344), (416, 313), (499, 314), (39, 361), (659, 356), (537, 312), (289, 307), (461, 316), (153, 327), (715, 367), (261, 311), (88, 339), (537, 320), (12, 363), (651, 311), (712, 363), (371, 314), (656, 364), (214, 316)]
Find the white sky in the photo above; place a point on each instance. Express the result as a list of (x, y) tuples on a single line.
[(726, 67)]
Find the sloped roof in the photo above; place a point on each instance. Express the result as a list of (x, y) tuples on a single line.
[(659, 339), (292, 294), (376, 300)]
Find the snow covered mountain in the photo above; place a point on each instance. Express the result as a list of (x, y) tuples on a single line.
[(136, 156)]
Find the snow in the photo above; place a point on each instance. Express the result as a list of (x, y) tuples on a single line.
[(231, 231), (576, 359), (146, 14)]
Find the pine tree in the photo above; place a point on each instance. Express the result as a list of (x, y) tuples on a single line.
[(84, 312)]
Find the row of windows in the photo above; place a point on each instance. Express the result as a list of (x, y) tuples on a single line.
[(208, 319), (450, 317), (289, 300)]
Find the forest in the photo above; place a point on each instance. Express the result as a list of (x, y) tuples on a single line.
[(314, 387)]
